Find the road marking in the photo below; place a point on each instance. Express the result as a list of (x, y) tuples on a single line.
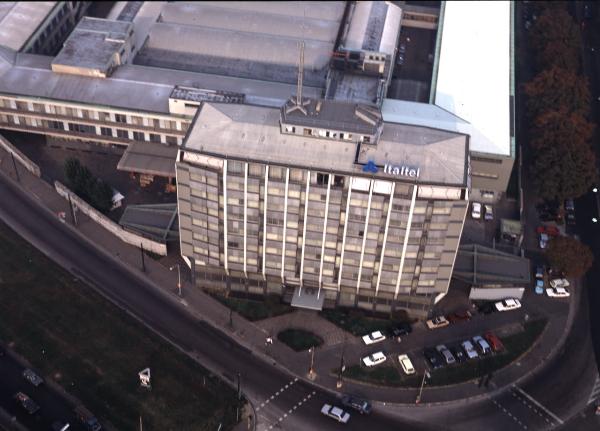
[(530, 407), (595, 391), (501, 407), (279, 392), (534, 401), (298, 404)]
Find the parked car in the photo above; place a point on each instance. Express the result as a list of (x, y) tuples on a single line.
[(548, 230), (559, 282), (403, 328), (540, 270), (570, 219), (544, 238), (27, 403), (569, 205), (458, 353), (433, 358), (539, 286), (476, 210), (482, 345), (87, 419), (469, 349), (460, 316), (374, 359), (373, 337), (448, 357), (487, 308), (489, 212), (557, 292), (60, 426), (32, 377), (362, 406), (400, 59), (437, 322), (335, 413), (494, 341), (508, 304), (402, 48), (406, 364)]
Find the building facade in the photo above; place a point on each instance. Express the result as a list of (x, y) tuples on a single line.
[(276, 202)]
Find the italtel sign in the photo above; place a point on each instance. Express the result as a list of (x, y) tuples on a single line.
[(395, 170)]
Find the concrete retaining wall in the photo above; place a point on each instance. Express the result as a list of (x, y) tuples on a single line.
[(109, 225), (20, 157)]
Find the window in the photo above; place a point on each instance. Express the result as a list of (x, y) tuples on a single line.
[(22, 106), (139, 136), (485, 159), (155, 122), (154, 137), (120, 118), (122, 134), (58, 125), (338, 181), (38, 107), (290, 129), (322, 179), (233, 244), (82, 128), (104, 116), (106, 131), (307, 132), (366, 139), (136, 120), (171, 140)]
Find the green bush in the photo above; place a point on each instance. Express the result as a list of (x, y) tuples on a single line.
[(254, 309), (357, 323), (299, 339), (89, 188)]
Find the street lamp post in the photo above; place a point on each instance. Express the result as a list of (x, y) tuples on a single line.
[(178, 276), (426, 375), (342, 366), (311, 370)]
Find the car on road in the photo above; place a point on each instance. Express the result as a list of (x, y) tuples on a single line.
[(539, 286), (433, 358), (360, 405), (403, 328), (400, 59), (469, 349), (87, 419), (559, 282), (569, 205), (448, 357), (508, 304), (544, 238), (402, 48), (335, 413), (458, 353), (482, 345), (459, 316), (557, 292), (32, 377), (570, 219), (437, 322), (406, 364), (476, 210), (374, 359), (27, 403), (60, 426), (494, 341), (489, 212), (373, 337)]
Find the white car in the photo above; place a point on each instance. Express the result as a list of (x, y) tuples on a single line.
[(437, 322), (335, 413), (508, 304), (469, 349), (406, 364), (544, 238), (374, 359), (557, 292), (476, 210), (489, 212), (373, 337), (559, 282)]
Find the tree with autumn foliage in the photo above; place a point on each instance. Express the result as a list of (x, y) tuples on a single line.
[(559, 127), (570, 256), (555, 39), (558, 87)]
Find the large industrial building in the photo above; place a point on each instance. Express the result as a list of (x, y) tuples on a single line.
[(322, 189)]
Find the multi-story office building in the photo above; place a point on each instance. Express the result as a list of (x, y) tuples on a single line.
[(324, 201)]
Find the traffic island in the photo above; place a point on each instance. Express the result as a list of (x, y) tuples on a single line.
[(358, 323), (516, 345), (255, 309), (299, 339)]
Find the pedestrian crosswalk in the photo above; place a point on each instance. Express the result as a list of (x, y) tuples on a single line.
[(595, 391)]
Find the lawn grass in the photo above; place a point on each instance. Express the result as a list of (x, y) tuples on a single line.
[(94, 350), (299, 339), (357, 323), (515, 345), (254, 310)]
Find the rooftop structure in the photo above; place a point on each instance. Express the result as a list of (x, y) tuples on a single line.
[(94, 48), (20, 20)]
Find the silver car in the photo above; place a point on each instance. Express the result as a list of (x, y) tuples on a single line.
[(32, 377), (446, 354), (469, 349)]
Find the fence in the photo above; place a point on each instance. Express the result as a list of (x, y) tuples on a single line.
[(108, 224), (20, 157)]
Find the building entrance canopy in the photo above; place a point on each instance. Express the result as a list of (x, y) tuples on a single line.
[(308, 297)]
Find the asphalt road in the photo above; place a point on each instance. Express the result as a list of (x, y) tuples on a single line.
[(260, 381)]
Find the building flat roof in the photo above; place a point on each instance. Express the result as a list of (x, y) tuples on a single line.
[(253, 133), (19, 20), (374, 26), (149, 158), (473, 76)]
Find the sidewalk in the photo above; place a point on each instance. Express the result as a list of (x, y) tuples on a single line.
[(253, 335)]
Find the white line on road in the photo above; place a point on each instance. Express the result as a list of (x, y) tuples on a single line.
[(298, 404), (279, 392), (534, 401), (595, 392), (501, 407)]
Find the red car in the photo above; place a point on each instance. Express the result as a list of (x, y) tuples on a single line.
[(548, 230), (459, 316), (494, 341)]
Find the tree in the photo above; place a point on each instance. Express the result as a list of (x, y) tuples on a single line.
[(101, 196), (559, 89), (539, 7), (554, 128), (92, 190), (569, 255), (555, 39)]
